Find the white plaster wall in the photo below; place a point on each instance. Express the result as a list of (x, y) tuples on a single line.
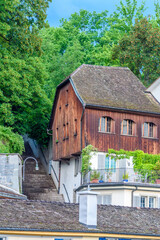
[(156, 92), (55, 165), (11, 171), (127, 198), (69, 179)]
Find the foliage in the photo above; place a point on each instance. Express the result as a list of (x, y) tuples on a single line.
[(140, 51), (10, 142), (95, 175), (145, 164), (125, 176), (24, 104), (86, 157)]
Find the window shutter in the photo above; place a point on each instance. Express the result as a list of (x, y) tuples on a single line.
[(101, 161), (107, 199), (99, 199), (136, 201)]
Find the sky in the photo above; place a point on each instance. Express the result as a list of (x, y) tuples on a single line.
[(64, 8)]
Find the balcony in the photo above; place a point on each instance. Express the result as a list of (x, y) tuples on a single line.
[(121, 175)]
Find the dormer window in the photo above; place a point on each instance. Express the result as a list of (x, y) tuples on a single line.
[(149, 130), (106, 124), (128, 127)]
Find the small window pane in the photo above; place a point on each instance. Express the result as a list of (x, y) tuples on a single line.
[(108, 124), (143, 202), (107, 163), (102, 124), (124, 126), (151, 202), (130, 123), (150, 129), (145, 130), (113, 165)]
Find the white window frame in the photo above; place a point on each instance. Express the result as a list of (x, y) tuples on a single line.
[(155, 199)]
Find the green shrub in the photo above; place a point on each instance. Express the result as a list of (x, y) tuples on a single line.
[(10, 142)]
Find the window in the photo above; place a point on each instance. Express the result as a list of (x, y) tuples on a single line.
[(106, 124), (143, 202), (104, 199), (149, 129), (148, 202), (128, 127), (110, 163), (152, 202)]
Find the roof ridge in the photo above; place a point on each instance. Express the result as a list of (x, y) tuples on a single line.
[(99, 66)]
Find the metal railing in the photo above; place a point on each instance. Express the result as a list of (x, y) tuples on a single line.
[(120, 175)]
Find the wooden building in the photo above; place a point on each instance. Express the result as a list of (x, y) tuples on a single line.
[(106, 107)]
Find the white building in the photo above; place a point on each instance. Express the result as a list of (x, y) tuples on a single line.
[(154, 89)]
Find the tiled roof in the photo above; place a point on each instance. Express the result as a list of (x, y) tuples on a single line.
[(115, 87), (52, 216)]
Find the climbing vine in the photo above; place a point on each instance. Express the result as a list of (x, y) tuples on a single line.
[(145, 164), (86, 157)]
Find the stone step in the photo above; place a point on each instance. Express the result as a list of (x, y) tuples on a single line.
[(38, 185), (44, 196)]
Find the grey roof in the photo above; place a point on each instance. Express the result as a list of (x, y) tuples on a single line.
[(119, 184), (114, 87), (52, 216)]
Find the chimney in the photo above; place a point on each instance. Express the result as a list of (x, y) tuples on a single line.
[(88, 208)]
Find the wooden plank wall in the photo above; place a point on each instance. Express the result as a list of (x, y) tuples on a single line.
[(104, 141), (68, 108)]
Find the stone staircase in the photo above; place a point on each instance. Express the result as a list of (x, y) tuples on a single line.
[(37, 184)]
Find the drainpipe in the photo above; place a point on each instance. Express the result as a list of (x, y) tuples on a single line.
[(59, 177), (81, 132), (81, 124), (132, 196)]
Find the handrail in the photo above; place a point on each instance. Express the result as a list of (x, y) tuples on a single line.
[(55, 173), (43, 155), (66, 193)]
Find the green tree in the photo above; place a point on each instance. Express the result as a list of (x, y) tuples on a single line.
[(140, 51), (21, 70)]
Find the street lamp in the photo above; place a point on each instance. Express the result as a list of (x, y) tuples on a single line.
[(36, 168)]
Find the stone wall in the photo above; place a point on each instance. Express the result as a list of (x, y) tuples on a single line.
[(11, 171)]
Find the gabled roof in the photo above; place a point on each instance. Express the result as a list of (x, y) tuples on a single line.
[(111, 88), (24, 215)]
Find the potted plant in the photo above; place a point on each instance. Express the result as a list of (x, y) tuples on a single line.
[(95, 177), (101, 179), (108, 175), (125, 177)]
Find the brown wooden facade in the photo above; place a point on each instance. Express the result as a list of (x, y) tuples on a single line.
[(66, 125), (73, 129)]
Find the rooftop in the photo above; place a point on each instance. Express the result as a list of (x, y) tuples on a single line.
[(114, 87), (54, 216)]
